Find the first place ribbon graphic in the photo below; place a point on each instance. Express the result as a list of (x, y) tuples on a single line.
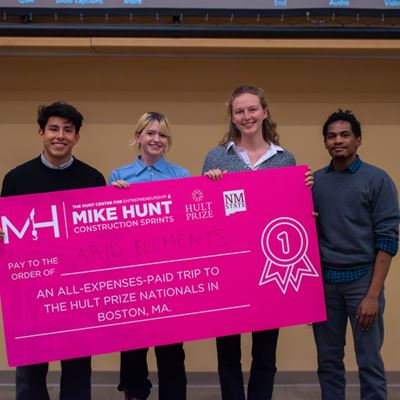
[(284, 242)]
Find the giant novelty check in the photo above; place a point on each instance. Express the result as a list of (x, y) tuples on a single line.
[(100, 270)]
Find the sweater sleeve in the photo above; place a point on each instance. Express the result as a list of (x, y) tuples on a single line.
[(292, 160), (100, 180), (6, 189), (385, 216), (211, 161)]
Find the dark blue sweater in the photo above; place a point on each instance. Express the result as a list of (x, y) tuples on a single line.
[(358, 215)]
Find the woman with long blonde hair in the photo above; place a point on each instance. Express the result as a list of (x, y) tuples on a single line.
[(251, 143)]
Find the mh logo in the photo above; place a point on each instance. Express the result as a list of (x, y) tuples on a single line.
[(9, 227)]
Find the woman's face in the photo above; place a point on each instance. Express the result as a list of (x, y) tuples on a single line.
[(248, 114), (153, 143)]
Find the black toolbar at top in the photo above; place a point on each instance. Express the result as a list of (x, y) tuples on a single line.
[(206, 4)]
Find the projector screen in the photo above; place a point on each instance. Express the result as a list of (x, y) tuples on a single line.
[(261, 5)]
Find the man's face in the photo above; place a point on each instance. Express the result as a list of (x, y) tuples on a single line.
[(58, 138), (341, 142)]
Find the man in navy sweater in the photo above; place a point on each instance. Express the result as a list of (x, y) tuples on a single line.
[(358, 231), (54, 169)]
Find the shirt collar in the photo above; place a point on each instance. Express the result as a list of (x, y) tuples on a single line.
[(273, 147), (352, 168), (139, 166), (52, 166), (272, 150)]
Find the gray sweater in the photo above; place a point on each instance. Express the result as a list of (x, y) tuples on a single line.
[(224, 159), (358, 215)]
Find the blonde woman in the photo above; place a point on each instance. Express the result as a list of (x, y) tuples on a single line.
[(153, 138)]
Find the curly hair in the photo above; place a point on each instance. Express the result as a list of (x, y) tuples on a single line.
[(341, 115)]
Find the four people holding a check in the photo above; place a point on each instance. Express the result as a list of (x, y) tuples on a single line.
[(358, 232)]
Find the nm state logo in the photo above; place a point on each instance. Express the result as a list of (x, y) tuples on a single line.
[(234, 201)]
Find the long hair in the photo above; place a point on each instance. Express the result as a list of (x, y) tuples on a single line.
[(269, 132)]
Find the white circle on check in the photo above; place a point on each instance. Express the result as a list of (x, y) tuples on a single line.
[(284, 242)]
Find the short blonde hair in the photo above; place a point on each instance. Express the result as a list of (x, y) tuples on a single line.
[(146, 119)]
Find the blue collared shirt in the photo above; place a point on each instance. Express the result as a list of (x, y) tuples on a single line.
[(352, 168), (140, 172)]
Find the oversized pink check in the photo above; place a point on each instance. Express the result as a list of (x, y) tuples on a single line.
[(99, 270)]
